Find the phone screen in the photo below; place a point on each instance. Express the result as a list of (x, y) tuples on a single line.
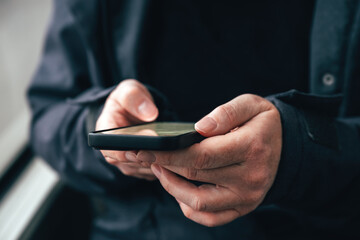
[(154, 129)]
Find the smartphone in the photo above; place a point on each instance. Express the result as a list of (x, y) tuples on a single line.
[(150, 136)]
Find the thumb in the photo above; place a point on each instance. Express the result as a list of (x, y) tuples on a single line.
[(136, 100), (232, 114)]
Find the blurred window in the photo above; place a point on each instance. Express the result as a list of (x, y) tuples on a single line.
[(22, 29)]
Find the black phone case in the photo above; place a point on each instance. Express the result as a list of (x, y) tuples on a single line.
[(138, 142)]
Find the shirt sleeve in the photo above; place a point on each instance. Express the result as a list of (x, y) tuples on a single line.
[(68, 80), (319, 170)]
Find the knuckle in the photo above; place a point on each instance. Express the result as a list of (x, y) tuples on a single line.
[(191, 173), (203, 159), (229, 111), (198, 204), (125, 89), (130, 90), (258, 179), (253, 199), (187, 213), (252, 98), (274, 113), (126, 93), (262, 103), (258, 149), (211, 222)]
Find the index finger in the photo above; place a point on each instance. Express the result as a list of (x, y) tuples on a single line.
[(205, 197), (213, 152)]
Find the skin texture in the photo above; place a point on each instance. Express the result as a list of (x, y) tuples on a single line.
[(130, 103), (237, 162)]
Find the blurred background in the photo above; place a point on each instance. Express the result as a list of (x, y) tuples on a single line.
[(34, 203), (22, 28)]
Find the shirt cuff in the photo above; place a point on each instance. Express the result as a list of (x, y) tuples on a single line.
[(291, 153)]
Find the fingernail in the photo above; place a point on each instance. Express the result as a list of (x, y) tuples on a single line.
[(130, 156), (146, 157), (147, 109), (206, 125), (156, 170)]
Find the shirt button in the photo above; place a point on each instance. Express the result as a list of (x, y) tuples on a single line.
[(328, 79)]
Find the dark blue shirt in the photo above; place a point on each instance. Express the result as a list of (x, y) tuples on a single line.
[(196, 55)]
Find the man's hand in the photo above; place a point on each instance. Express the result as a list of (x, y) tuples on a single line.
[(238, 162), (130, 103)]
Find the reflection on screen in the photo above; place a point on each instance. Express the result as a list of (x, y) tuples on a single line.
[(155, 129)]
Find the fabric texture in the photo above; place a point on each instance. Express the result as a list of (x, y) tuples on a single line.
[(193, 56)]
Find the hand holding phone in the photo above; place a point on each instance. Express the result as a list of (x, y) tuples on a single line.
[(129, 103)]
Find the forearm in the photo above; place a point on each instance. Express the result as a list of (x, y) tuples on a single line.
[(59, 135)]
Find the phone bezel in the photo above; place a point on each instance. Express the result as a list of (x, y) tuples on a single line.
[(99, 140)]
